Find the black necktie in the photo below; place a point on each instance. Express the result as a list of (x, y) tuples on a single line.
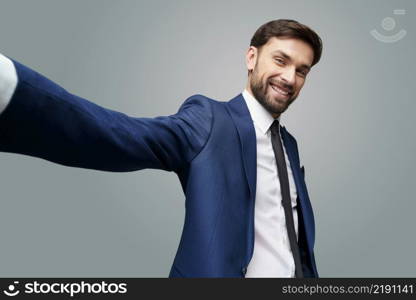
[(286, 202)]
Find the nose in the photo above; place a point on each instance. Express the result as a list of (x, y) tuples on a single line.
[(289, 76)]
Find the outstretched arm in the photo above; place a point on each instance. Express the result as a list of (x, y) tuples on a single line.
[(41, 119)]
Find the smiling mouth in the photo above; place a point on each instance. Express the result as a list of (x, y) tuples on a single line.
[(281, 91)]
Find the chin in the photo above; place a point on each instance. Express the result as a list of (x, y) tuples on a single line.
[(279, 106)]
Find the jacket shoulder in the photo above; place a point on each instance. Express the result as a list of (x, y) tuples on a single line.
[(201, 100)]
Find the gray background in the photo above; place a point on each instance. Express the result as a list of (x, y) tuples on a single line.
[(353, 121)]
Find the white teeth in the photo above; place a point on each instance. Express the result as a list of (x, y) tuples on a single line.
[(279, 90)]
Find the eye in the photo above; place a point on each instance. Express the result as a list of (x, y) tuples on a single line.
[(303, 73), (279, 61)]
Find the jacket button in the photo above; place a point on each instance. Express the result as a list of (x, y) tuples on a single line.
[(244, 270)]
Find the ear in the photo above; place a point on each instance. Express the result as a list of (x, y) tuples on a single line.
[(251, 58)]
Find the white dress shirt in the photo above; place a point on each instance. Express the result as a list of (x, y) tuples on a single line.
[(272, 256)]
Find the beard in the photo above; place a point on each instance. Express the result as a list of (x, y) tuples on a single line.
[(262, 91)]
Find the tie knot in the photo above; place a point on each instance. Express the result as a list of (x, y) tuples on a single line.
[(275, 127)]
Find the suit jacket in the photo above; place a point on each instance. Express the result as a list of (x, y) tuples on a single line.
[(210, 145)]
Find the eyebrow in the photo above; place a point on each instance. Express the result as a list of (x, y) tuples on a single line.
[(280, 52)]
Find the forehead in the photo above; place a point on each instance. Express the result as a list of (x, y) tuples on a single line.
[(298, 50)]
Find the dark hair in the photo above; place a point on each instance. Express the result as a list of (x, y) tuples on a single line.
[(290, 29)]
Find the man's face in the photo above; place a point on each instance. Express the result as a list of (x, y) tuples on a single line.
[(279, 70)]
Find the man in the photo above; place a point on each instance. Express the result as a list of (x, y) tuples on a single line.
[(248, 213)]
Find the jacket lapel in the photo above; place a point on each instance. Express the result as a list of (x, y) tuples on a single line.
[(241, 117), (305, 204)]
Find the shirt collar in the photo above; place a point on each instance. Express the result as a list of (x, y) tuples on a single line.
[(260, 116)]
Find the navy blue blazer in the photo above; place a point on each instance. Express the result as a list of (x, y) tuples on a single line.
[(210, 145)]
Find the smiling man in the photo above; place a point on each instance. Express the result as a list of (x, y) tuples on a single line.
[(248, 212), (278, 68)]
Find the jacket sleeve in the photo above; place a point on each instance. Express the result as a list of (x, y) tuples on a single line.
[(45, 121)]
